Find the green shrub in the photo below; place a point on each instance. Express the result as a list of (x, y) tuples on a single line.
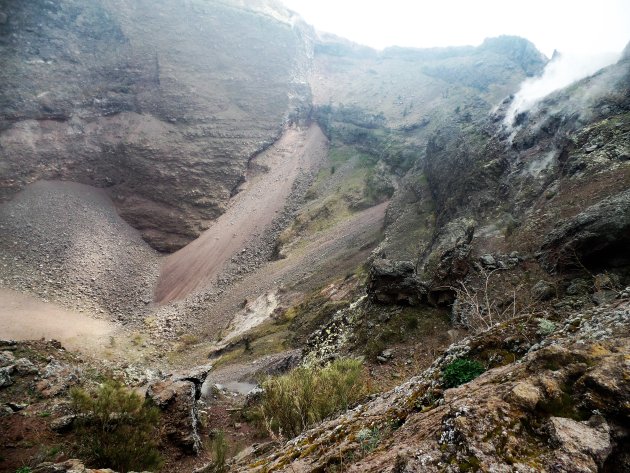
[(297, 400), (461, 371), (368, 439), (24, 469), (219, 453), (117, 428)]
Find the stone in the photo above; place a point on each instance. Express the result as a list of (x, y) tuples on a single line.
[(525, 394), (178, 403), (15, 406), (394, 282), (578, 287), (593, 237), (608, 385), (56, 379), (5, 376), (64, 423), (6, 358), (604, 297), (254, 396), (196, 375), (543, 291), (24, 366), (3, 18), (577, 439), (388, 354), (488, 261)]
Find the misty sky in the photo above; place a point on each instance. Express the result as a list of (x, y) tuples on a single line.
[(577, 26)]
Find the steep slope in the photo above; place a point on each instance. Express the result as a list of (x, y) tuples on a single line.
[(161, 103), (260, 200), (550, 411)]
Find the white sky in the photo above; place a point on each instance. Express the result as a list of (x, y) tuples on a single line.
[(578, 26)]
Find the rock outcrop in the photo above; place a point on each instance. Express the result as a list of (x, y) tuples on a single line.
[(177, 397), (598, 237), (395, 282), (550, 411)]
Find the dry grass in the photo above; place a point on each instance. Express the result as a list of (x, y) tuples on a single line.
[(307, 395)]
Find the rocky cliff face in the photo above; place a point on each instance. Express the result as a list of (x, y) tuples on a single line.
[(160, 103)]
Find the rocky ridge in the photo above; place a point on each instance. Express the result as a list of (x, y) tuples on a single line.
[(544, 407)]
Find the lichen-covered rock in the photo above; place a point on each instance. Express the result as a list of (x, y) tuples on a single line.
[(515, 417), (5, 376), (6, 358), (57, 378), (23, 366), (579, 447)]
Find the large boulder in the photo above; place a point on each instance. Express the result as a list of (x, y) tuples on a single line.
[(177, 397), (394, 282), (598, 236), (580, 447)]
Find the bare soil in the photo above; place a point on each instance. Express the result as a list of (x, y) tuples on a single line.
[(23, 317), (262, 196)]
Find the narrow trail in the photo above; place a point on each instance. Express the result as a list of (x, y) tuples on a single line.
[(262, 196)]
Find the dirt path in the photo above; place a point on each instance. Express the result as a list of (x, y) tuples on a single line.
[(23, 317), (261, 198)]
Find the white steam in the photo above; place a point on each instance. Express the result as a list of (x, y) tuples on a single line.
[(561, 71)]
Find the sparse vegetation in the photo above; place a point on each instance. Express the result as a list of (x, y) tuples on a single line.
[(368, 439), (461, 371), (116, 428), (295, 401), (220, 449)]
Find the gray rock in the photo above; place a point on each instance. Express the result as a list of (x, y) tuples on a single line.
[(578, 287), (6, 358), (196, 375), (63, 424), (24, 366), (488, 261), (604, 297), (388, 354), (3, 18), (394, 282), (5, 376), (543, 291)]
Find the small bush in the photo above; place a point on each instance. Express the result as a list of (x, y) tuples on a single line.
[(461, 371), (368, 439), (297, 400), (117, 428)]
